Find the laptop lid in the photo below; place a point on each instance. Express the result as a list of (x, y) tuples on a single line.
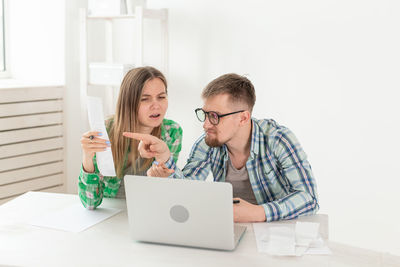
[(180, 211)]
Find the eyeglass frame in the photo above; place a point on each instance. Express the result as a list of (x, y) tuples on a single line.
[(207, 115)]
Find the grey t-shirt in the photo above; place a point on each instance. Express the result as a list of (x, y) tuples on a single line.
[(240, 183)]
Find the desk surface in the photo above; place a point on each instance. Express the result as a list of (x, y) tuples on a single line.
[(108, 243)]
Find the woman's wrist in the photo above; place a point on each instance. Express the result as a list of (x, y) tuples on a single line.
[(164, 157), (87, 163)]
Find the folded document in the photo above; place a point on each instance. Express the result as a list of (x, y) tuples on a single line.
[(290, 239), (104, 159)]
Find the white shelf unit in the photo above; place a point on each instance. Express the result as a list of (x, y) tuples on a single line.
[(139, 16)]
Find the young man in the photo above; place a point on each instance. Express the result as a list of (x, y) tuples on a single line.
[(263, 161)]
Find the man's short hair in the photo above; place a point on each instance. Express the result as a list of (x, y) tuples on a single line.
[(239, 88)]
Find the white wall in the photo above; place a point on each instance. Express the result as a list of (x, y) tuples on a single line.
[(326, 69), (37, 36)]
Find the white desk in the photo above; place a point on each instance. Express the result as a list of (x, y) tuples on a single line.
[(108, 243)]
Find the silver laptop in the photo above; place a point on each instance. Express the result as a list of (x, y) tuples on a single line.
[(181, 212)]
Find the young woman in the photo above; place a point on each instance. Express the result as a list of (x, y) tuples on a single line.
[(141, 107)]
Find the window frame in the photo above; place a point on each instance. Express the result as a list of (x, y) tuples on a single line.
[(6, 73)]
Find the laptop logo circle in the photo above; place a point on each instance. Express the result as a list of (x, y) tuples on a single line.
[(179, 213)]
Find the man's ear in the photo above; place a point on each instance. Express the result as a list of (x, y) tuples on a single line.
[(245, 116)]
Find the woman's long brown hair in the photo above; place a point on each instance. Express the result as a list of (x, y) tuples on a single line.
[(126, 117)]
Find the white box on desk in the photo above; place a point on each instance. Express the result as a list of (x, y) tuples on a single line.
[(108, 73)]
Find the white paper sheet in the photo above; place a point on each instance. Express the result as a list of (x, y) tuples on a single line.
[(306, 232), (283, 239), (74, 218), (105, 161)]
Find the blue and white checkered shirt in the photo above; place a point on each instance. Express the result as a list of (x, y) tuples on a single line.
[(279, 172)]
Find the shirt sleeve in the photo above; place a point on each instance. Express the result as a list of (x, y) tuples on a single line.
[(175, 144), (297, 174), (90, 187), (198, 164)]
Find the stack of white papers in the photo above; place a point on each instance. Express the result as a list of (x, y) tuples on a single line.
[(289, 239)]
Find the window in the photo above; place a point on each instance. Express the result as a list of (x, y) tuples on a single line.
[(3, 47)]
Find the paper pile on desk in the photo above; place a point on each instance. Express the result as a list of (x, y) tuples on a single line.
[(289, 239)]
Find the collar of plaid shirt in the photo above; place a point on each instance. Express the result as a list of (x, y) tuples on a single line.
[(254, 148)]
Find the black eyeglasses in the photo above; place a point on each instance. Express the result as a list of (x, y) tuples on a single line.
[(213, 116)]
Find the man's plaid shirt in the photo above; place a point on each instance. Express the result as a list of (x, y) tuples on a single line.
[(279, 173)]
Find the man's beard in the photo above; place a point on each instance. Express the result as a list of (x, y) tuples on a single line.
[(213, 142)]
